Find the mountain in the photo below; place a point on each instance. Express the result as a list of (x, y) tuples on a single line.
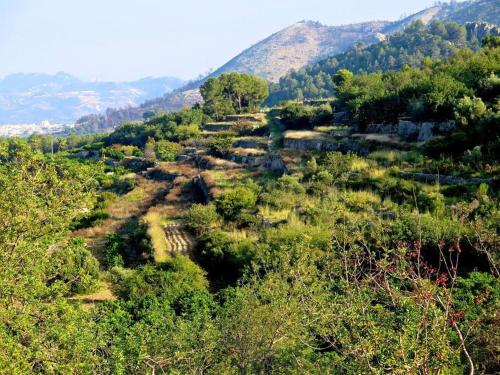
[(305, 43), (298, 45), (63, 98)]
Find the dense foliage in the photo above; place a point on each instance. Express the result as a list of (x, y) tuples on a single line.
[(337, 263), (233, 93), (414, 46)]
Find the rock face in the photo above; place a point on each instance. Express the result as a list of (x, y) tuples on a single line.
[(407, 129), (426, 132), (275, 163), (202, 186)]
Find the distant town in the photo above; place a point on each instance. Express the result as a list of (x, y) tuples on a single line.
[(25, 130)]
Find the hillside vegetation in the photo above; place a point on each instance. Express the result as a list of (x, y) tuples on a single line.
[(436, 41), (356, 235)]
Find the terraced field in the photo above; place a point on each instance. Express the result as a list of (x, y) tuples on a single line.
[(179, 240)]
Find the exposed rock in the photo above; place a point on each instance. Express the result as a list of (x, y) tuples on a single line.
[(275, 163), (445, 127), (426, 132), (202, 186), (111, 163), (407, 129), (382, 128), (182, 158)]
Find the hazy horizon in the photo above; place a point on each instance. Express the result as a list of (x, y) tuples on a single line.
[(130, 39)]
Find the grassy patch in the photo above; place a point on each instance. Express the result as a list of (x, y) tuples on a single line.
[(156, 234)]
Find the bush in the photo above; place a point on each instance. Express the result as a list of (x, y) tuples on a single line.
[(223, 256), (230, 203), (75, 267), (113, 251), (221, 145), (297, 116), (201, 218), (184, 132), (93, 219), (167, 151)]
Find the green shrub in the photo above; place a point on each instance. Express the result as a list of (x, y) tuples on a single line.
[(75, 267), (167, 151), (221, 145), (231, 202), (113, 251), (201, 218)]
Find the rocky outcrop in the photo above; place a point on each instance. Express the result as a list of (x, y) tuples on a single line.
[(426, 132), (311, 144), (275, 163)]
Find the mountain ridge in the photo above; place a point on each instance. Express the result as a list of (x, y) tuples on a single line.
[(63, 98)]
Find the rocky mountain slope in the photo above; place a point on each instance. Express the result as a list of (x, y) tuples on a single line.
[(307, 42), (299, 45), (62, 98)]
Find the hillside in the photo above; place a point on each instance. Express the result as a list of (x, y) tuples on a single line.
[(409, 47), (63, 98), (307, 42), (298, 45), (284, 241)]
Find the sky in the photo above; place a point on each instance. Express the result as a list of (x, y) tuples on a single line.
[(129, 39)]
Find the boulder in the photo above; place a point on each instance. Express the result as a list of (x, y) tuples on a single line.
[(426, 131), (407, 129)]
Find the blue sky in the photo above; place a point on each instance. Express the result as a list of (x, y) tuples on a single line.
[(129, 39)]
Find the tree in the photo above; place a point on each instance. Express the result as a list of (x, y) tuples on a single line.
[(233, 93)]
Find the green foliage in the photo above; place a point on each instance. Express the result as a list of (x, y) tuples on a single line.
[(113, 251), (411, 47), (201, 219), (231, 203), (167, 151), (233, 93), (297, 116), (219, 146), (75, 267)]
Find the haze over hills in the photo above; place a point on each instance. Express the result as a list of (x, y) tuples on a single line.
[(297, 46), (63, 98)]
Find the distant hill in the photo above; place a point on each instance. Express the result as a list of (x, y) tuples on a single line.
[(63, 98), (306, 43)]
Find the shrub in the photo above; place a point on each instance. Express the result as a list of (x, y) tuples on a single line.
[(230, 203), (113, 251), (221, 145), (223, 256), (75, 267), (201, 218), (184, 132), (167, 151)]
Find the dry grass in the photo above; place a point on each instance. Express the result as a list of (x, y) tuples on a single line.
[(248, 151), (305, 134), (156, 234)]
